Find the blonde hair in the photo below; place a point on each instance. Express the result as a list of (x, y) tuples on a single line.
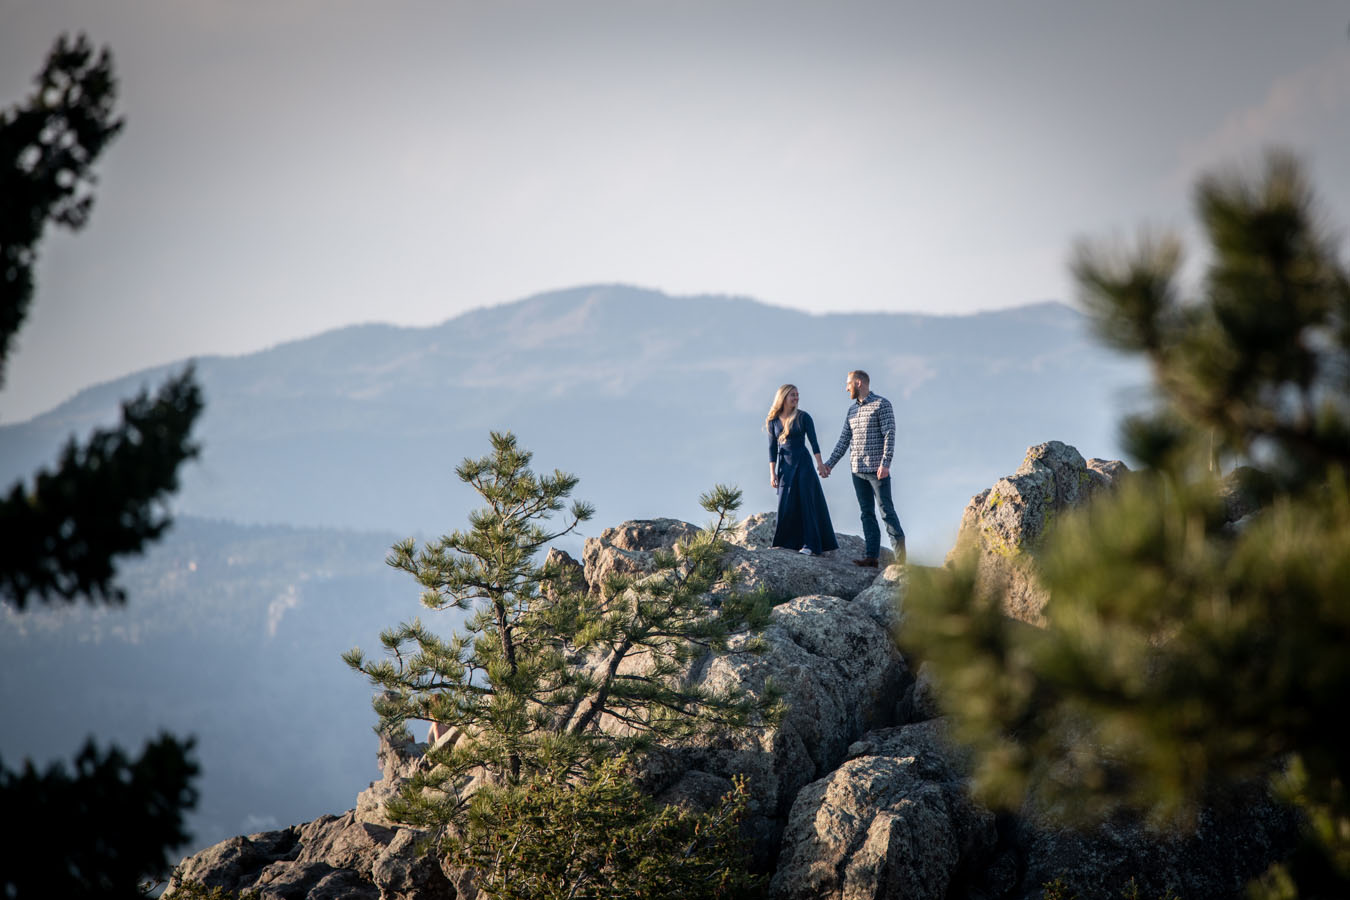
[(778, 400), (861, 375)]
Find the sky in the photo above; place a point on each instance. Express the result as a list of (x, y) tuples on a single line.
[(292, 166)]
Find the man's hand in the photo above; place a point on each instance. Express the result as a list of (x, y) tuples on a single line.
[(824, 470), (884, 472)]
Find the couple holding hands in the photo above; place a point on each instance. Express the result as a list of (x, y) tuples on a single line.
[(868, 435)]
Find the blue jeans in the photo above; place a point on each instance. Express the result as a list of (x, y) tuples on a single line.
[(871, 489)]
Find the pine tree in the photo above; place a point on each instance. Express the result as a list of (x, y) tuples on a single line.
[(548, 680), (99, 831), (1186, 655), (599, 837), (106, 498), (47, 151)]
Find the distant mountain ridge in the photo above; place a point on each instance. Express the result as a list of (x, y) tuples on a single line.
[(336, 445), (650, 399)]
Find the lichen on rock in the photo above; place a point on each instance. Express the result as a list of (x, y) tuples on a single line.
[(1004, 526)]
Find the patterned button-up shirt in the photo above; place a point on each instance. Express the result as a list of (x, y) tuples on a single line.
[(869, 428)]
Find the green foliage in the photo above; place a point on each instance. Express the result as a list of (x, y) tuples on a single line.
[(548, 678), (599, 836), (666, 621), (1058, 889), (1255, 368), (106, 498), (195, 890), (1183, 655), (97, 832), (48, 146)]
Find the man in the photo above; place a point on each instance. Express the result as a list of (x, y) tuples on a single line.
[(869, 427)]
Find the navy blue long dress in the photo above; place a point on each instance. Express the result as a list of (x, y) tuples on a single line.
[(803, 517)]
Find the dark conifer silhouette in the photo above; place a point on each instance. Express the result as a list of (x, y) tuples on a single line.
[(96, 832), (48, 145), (105, 498)]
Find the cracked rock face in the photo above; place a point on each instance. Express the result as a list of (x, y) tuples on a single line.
[(331, 857), (628, 550), (398, 761), (883, 599), (833, 658), (854, 794), (786, 573), (840, 674), (1005, 525), (893, 821)]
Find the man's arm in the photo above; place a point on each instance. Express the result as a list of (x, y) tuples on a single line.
[(886, 421)]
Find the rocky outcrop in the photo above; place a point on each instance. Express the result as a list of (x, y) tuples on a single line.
[(895, 818), (884, 599), (573, 575), (629, 550), (398, 760), (840, 674), (332, 857), (855, 793), (893, 821), (756, 533), (1004, 525), (832, 657)]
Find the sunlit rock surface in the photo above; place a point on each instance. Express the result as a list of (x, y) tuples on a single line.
[(1005, 524), (857, 792)]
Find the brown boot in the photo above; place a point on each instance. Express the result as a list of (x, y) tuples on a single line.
[(867, 562)]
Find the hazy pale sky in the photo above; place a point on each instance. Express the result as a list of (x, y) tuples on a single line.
[(289, 166)]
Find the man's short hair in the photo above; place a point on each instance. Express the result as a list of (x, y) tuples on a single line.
[(859, 373)]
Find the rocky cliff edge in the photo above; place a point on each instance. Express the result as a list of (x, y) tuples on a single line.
[(856, 793)]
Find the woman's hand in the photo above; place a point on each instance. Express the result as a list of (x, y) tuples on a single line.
[(773, 483)]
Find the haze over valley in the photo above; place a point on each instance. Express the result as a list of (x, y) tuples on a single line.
[(318, 454)]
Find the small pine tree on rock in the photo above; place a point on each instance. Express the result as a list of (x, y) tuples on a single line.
[(548, 680)]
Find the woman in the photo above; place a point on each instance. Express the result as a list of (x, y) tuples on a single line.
[(803, 518)]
